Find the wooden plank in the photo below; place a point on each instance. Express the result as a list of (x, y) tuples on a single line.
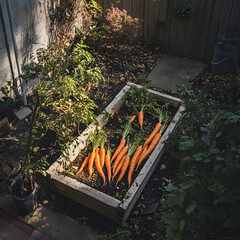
[(206, 31), (189, 33), (235, 14), (214, 28), (145, 17), (87, 196), (162, 10), (164, 97), (198, 28)]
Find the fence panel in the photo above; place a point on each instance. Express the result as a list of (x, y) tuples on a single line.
[(194, 36)]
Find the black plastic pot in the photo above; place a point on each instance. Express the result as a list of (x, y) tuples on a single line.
[(25, 204)]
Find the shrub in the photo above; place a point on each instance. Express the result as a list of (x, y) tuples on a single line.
[(205, 201), (121, 27), (64, 75)]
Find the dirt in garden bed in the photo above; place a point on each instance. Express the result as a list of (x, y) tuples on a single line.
[(113, 129)]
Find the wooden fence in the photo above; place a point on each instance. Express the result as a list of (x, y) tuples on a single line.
[(194, 36)]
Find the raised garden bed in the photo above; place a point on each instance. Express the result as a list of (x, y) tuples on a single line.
[(97, 200)]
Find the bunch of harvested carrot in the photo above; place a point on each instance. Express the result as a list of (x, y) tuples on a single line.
[(124, 163), (97, 156), (122, 143), (157, 127), (153, 143)]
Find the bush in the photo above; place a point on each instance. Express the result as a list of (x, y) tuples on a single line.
[(204, 204)]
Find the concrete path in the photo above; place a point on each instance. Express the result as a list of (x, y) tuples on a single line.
[(42, 222), (60, 226), (172, 71)]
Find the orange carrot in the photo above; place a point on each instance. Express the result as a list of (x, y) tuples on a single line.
[(85, 162), (90, 163), (153, 133), (89, 87), (63, 111), (124, 168), (119, 148), (98, 166), (118, 167), (120, 157), (133, 118), (157, 127), (151, 147), (143, 151), (122, 143), (108, 164), (140, 118), (133, 163), (102, 153), (95, 143)]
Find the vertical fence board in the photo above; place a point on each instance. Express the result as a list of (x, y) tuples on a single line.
[(194, 36)]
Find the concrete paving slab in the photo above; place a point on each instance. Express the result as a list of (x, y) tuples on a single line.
[(59, 226), (172, 71)]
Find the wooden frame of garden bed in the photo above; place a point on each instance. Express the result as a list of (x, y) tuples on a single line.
[(98, 201)]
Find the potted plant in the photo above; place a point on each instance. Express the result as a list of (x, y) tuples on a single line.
[(24, 189)]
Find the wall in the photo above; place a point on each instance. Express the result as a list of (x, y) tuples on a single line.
[(192, 37), (26, 23), (25, 26)]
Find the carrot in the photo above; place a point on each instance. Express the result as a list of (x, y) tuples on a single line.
[(63, 111), (89, 87), (102, 153), (108, 164), (126, 161), (90, 163), (153, 133), (85, 162), (143, 151), (98, 166), (133, 163), (119, 148), (152, 145), (140, 118), (120, 157), (122, 143), (124, 168), (156, 129), (118, 168), (98, 136), (133, 118)]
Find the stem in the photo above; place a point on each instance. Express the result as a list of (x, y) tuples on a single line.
[(27, 157)]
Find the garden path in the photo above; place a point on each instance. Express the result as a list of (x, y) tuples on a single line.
[(172, 71)]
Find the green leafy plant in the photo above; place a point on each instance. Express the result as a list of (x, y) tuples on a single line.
[(138, 99), (64, 75), (183, 9), (121, 26), (203, 202)]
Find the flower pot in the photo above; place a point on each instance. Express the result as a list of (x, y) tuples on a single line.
[(26, 203)]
